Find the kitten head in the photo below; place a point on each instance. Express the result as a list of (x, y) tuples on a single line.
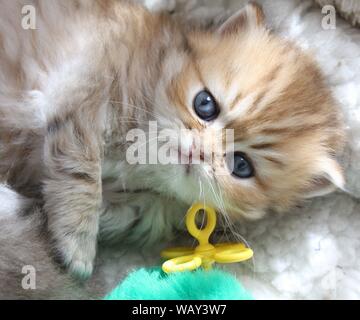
[(286, 126)]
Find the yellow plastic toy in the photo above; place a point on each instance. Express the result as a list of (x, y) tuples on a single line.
[(205, 254)]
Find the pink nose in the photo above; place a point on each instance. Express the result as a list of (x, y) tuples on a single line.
[(189, 155), (202, 157), (192, 150)]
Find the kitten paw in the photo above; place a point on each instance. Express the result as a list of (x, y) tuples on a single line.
[(78, 257), (81, 270)]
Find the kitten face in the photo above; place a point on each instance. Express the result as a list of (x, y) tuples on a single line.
[(287, 129)]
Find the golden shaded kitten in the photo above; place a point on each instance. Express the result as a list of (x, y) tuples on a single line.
[(73, 88)]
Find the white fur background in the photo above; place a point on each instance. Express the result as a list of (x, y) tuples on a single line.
[(314, 251)]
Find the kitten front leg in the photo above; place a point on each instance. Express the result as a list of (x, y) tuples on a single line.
[(141, 218), (72, 191)]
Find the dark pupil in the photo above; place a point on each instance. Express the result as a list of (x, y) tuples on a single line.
[(205, 106), (242, 167)]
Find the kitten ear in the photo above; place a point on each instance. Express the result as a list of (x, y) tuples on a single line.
[(250, 17), (329, 179)]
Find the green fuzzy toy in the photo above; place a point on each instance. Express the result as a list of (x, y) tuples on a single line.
[(154, 284), (180, 278)]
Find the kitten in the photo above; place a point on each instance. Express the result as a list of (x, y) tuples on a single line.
[(72, 89)]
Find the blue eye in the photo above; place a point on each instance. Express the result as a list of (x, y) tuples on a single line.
[(205, 106), (243, 167)]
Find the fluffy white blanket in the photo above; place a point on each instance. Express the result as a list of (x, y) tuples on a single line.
[(314, 251)]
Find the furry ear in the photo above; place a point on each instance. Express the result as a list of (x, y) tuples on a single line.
[(329, 179), (250, 17)]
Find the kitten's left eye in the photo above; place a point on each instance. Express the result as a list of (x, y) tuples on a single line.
[(205, 106), (242, 166)]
